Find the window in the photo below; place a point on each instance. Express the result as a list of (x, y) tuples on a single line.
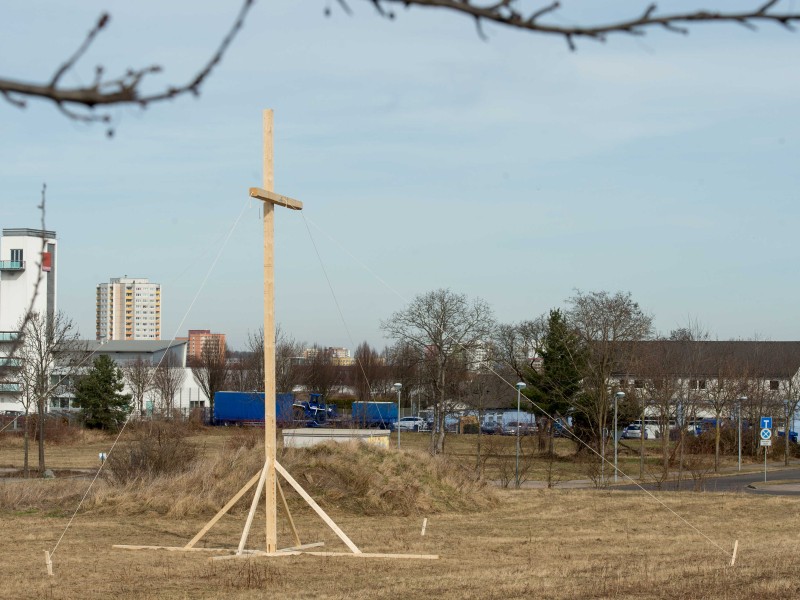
[(16, 254), (638, 384), (773, 384), (697, 384)]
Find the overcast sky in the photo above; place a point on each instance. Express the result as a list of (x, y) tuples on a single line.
[(508, 168)]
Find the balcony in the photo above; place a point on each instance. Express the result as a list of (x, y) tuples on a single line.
[(10, 387), (9, 336), (10, 362), (12, 265)]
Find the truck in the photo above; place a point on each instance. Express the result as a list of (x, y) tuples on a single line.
[(247, 408), (382, 415)]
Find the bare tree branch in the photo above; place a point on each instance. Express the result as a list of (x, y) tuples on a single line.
[(78, 103), (121, 90), (506, 12)]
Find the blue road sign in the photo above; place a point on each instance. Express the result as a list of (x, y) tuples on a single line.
[(766, 434), (766, 422)]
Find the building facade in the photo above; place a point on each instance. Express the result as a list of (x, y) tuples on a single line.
[(128, 309), (28, 280), (149, 354), (199, 338)]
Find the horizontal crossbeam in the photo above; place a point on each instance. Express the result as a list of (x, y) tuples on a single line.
[(274, 198)]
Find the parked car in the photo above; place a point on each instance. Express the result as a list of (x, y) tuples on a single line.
[(410, 424), (634, 432), (511, 428), (491, 428)]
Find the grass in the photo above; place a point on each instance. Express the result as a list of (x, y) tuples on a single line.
[(527, 543), (531, 544)]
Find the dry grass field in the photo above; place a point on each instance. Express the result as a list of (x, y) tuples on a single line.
[(547, 543)]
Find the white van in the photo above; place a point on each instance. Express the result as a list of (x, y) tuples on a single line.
[(651, 426)]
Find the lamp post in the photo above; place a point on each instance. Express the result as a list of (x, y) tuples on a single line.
[(398, 387), (617, 397), (519, 386), (739, 436)]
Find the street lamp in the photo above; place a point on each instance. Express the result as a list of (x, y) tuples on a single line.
[(742, 399), (519, 386), (617, 397), (398, 387)]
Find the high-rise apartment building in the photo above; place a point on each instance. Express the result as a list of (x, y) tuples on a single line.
[(128, 309), (27, 281)]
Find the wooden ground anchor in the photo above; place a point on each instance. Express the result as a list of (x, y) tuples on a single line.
[(735, 548), (48, 562)]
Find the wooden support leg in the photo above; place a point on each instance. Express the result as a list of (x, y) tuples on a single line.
[(317, 509), (223, 510), (253, 507)]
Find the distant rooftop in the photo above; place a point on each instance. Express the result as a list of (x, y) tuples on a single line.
[(132, 345), (24, 232)]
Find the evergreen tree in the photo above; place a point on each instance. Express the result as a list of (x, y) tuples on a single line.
[(558, 381), (99, 394)]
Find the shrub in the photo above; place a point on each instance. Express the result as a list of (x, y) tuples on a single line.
[(158, 448)]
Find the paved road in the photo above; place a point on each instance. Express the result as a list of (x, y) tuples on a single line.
[(789, 486)]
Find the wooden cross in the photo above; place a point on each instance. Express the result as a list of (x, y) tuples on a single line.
[(270, 199), (266, 478)]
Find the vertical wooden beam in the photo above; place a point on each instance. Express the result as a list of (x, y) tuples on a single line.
[(270, 432)]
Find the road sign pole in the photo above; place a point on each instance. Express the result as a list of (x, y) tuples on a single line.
[(765, 463)]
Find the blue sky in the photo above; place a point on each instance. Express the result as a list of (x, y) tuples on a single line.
[(509, 168)]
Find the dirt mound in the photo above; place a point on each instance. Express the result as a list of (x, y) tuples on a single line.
[(367, 480)]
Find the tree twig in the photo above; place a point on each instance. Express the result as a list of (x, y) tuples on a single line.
[(121, 90)]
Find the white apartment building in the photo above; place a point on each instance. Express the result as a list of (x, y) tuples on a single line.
[(128, 309), (27, 280)]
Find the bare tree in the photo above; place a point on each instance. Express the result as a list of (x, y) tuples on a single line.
[(81, 102), (369, 374), (604, 322), (691, 336), (404, 363), (727, 384), (287, 363), (168, 379), (320, 373), (139, 374), (660, 389), (46, 350), (517, 345), (486, 390), (211, 369), (444, 326)]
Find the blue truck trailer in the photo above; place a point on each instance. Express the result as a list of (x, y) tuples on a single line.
[(374, 414), (247, 408)]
